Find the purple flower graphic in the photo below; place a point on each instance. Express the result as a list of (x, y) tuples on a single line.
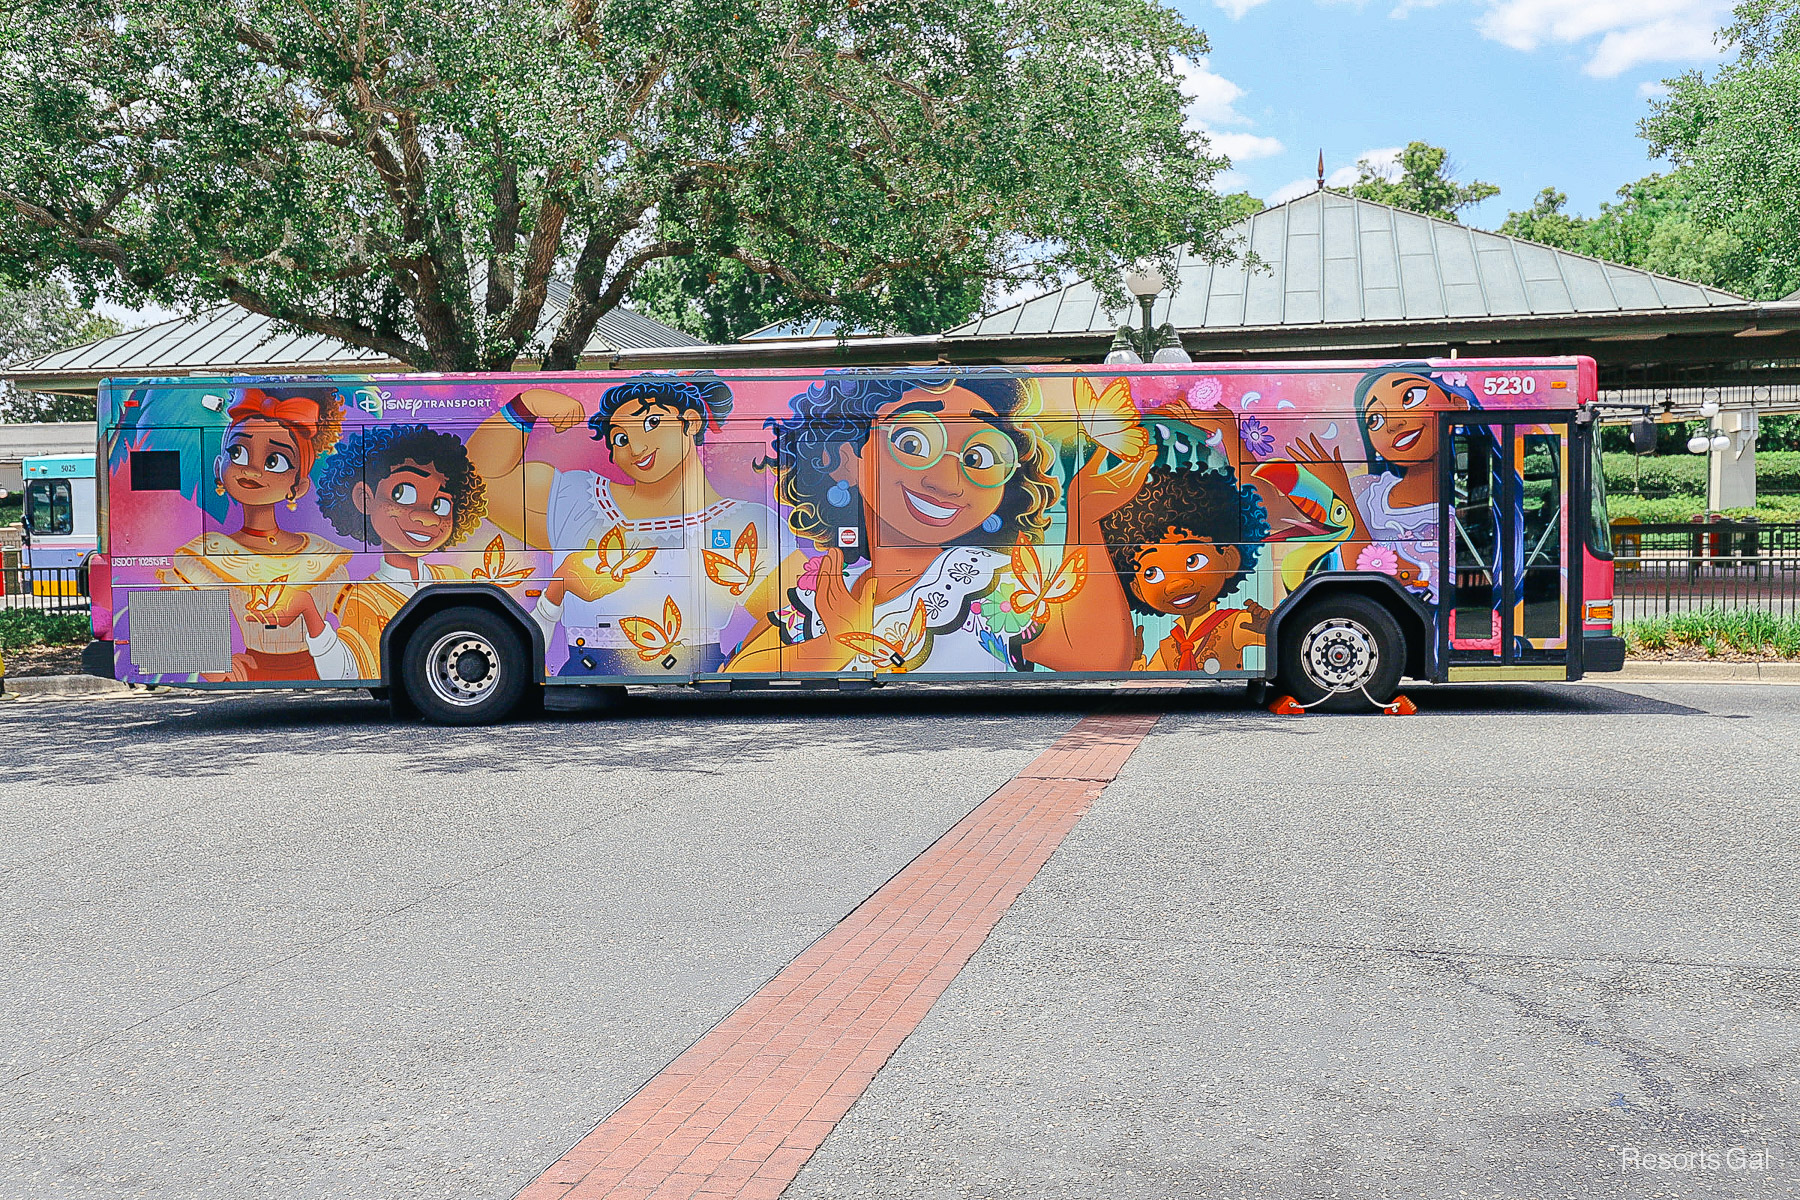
[(1256, 436)]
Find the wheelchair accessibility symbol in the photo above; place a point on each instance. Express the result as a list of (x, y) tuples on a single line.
[(721, 539)]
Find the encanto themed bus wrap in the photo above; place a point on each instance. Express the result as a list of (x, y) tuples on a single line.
[(924, 523)]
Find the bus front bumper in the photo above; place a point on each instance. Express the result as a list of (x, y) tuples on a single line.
[(1600, 654)]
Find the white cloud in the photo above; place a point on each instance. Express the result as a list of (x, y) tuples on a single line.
[(1630, 32), (1652, 89), (1210, 100), (1237, 8), (1291, 191)]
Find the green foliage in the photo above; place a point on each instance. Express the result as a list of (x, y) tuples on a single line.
[(413, 176), (1238, 205), (1774, 510), (22, 628), (1735, 139), (35, 320), (721, 300), (1777, 474), (1547, 223), (1745, 631), (1424, 184), (1652, 226)]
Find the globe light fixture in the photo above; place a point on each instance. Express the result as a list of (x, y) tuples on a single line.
[(1144, 279), (1721, 441), (1699, 444), (1709, 409)]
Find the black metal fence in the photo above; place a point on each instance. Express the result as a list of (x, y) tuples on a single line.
[(55, 589), (1665, 569)]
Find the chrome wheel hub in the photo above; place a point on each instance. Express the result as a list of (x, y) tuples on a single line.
[(465, 668), (1340, 655)]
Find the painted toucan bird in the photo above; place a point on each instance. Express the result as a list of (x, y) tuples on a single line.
[(1302, 509)]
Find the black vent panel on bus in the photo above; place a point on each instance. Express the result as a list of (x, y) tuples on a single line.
[(156, 470)]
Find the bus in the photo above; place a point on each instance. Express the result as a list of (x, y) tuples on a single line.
[(59, 521), (459, 543)]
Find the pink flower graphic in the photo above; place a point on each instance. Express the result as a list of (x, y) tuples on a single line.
[(1205, 393), (1378, 558)]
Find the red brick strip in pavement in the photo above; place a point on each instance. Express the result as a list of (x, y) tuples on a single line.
[(742, 1109)]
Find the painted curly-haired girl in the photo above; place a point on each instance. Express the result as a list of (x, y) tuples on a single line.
[(412, 490), (926, 497), (1184, 542)]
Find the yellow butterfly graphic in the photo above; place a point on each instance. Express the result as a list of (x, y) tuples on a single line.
[(739, 571), (266, 597), (653, 638), (1111, 419), (894, 648), (1035, 594), (494, 567), (605, 565)]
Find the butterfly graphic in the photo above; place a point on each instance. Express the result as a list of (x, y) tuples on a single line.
[(739, 571), (655, 638), (1035, 594), (894, 648), (606, 564), (266, 597), (495, 569), (1111, 419)]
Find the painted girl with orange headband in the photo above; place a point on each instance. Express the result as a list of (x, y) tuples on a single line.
[(265, 461)]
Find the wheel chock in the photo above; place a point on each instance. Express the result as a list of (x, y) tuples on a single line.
[(1401, 707), (1287, 706)]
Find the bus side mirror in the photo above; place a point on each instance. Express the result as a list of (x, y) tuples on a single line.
[(1643, 436)]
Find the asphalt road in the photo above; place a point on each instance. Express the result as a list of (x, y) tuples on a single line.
[(279, 945)]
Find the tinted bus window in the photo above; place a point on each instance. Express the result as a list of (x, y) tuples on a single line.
[(49, 507)]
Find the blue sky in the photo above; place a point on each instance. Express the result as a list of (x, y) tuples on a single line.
[(1525, 94)]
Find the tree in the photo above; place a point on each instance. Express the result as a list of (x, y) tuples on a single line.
[(1424, 184), (1735, 141), (34, 321), (1546, 222), (720, 300), (1651, 226), (413, 176)]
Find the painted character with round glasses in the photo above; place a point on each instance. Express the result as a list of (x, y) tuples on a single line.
[(923, 496)]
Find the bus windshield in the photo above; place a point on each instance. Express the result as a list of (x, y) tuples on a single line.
[(49, 507), (1599, 525)]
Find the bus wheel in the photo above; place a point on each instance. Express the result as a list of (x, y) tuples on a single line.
[(465, 666), (1335, 649)]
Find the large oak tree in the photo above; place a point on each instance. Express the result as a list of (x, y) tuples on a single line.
[(419, 177)]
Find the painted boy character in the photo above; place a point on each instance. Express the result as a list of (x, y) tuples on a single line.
[(411, 490), (1181, 544), (632, 581)]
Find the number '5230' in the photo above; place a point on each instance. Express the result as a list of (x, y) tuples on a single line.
[(1509, 385)]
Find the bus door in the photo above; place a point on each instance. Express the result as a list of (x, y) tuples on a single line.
[(1509, 573)]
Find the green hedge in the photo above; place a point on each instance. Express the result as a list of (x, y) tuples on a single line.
[(1747, 631), (1777, 473), (21, 628)]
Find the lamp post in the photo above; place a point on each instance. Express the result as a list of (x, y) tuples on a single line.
[(1145, 281), (1713, 441)]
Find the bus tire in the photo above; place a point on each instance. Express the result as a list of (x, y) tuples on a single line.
[(465, 666), (1339, 642)]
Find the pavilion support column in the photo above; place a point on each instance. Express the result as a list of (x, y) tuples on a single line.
[(1733, 470)]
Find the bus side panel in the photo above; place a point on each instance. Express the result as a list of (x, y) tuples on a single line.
[(668, 527)]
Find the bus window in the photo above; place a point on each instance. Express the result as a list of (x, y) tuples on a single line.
[(1599, 524), (1542, 481), (49, 507)]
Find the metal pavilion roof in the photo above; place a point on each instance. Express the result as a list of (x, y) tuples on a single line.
[(232, 340), (1331, 259)]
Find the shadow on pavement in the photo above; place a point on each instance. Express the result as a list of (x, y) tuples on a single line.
[(196, 736)]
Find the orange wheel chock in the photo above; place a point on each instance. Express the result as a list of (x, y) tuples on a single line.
[(1287, 706), (1401, 707)]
